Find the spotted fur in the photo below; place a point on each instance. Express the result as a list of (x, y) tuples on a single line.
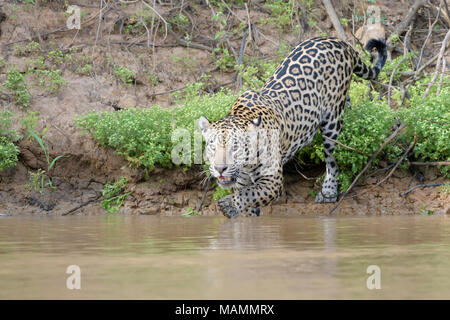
[(307, 92)]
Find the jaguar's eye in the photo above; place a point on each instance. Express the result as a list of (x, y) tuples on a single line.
[(235, 148)]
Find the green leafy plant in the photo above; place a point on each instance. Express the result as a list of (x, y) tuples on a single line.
[(180, 22), (445, 188), (153, 78), (226, 59), (29, 122), (405, 66), (17, 85), (56, 57), (114, 195), (365, 126), (394, 38), (84, 70), (40, 179), (6, 126), (256, 72), (50, 80), (8, 150), (368, 122), (190, 213), (430, 120), (8, 153), (423, 211), (29, 49), (144, 136), (38, 63), (281, 13), (124, 74), (220, 193)]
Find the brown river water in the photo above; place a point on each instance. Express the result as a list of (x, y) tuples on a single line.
[(151, 257)]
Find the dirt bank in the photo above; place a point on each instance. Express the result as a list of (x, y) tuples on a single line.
[(159, 69), (173, 192)]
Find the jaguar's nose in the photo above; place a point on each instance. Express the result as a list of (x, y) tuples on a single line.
[(221, 168)]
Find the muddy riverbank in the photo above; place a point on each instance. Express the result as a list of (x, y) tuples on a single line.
[(173, 192)]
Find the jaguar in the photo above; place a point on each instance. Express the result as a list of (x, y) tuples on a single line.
[(264, 129)]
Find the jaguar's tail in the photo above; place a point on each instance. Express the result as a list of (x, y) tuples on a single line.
[(370, 73)]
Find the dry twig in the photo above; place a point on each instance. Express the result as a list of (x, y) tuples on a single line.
[(421, 186), (441, 55), (436, 163)]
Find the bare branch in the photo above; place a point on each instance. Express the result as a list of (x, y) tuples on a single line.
[(334, 19), (438, 63)]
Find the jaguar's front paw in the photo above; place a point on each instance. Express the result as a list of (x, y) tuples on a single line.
[(324, 197), (227, 208)]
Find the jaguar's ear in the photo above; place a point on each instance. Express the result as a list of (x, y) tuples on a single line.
[(203, 123), (257, 121)]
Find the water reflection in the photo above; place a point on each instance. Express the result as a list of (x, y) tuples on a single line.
[(213, 257)]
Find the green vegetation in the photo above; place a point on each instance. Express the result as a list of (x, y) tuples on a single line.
[(280, 13), (190, 213), (6, 123), (56, 57), (186, 63), (312, 153), (125, 75), (430, 119), (8, 153), (50, 80), (8, 150), (153, 78), (369, 122), (40, 180), (365, 126), (424, 211), (18, 87), (143, 136), (180, 22), (224, 59), (29, 49), (255, 72), (139, 22), (2, 63), (29, 122), (220, 193), (445, 188), (394, 39), (84, 70), (114, 195), (405, 66)]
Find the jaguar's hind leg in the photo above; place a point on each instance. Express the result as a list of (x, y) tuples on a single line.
[(329, 192)]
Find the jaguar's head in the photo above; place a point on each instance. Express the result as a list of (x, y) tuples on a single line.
[(228, 146)]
